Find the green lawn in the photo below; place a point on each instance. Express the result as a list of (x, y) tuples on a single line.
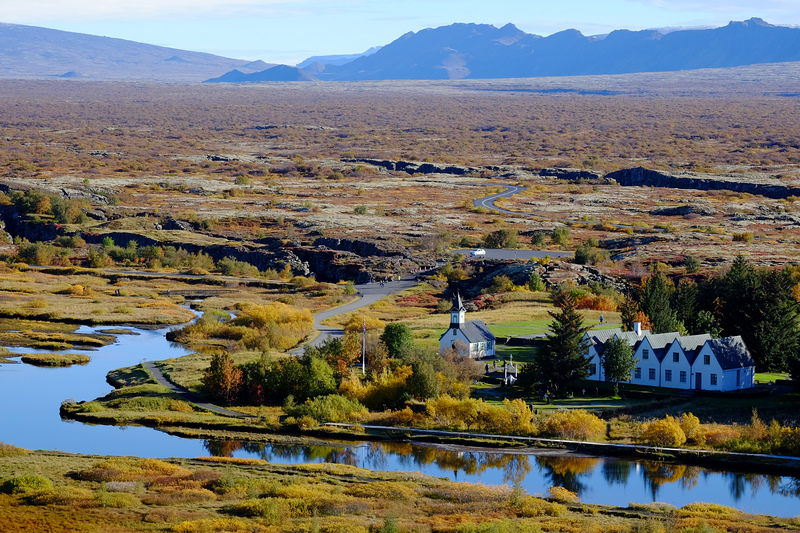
[(764, 377)]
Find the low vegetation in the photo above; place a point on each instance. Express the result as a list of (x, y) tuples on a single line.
[(218, 494)]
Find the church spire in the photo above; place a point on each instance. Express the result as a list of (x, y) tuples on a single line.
[(457, 312)]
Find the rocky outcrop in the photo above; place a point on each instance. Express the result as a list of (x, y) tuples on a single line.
[(570, 173), (417, 167), (552, 274), (642, 177)]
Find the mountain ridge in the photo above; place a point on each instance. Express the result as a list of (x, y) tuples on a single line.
[(35, 52)]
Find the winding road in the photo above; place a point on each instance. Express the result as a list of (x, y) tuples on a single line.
[(369, 294)]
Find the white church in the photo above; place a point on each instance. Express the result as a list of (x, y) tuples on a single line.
[(474, 334)]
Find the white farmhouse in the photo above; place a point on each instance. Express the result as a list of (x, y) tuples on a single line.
[(674, 361), (474, 334)]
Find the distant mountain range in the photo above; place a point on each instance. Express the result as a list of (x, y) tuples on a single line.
[(458, 51), (33, 52), (481, 51)]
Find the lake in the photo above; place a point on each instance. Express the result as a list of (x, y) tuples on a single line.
[(31, 397)]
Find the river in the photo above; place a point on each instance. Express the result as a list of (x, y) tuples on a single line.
[(31, 397)]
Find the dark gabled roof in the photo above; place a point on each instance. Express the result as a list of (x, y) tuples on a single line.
[(731, 352), (476, 331), (458, 305)]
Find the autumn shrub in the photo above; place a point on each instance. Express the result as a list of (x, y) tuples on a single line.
[(469, 492), (271, 510), (448, 412), (664, 432), (504, 525), (719, 435), (63, 495), (26, 483), (692, 428), (9, 450), (226, 525), (386, 390), (571, 424), (131, 469), (178, 495), (530, 507), (383, 490), (234, 485), (709, 510), (562, 494)]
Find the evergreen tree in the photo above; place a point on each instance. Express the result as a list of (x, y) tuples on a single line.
[(684, 302), (628, 311), (618, 361), (562, 359), (655, 303)]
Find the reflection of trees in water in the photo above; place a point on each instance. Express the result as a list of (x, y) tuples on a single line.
[(791, 488), (515, 467), (617, 472), (560, 471), (656, 474), (740, 482), (222, 448), (567, 471)]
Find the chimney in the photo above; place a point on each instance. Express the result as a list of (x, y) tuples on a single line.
[(637, 328)]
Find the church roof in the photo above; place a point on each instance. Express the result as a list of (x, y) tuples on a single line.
[(477, 331)]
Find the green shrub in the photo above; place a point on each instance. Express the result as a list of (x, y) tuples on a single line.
[(271, 510), (26, 483), (118, 500), (331, 408)]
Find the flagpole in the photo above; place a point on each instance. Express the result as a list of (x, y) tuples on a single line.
[(364, 349)]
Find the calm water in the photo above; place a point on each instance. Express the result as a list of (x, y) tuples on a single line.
[(31, 396)]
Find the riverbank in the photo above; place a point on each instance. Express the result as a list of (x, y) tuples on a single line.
[(66, 492)]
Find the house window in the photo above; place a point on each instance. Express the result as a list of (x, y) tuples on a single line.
[(676, 357), (706, 359), (592, 369), (713, 379), (652, 373), (668, 375), (645, 354), (638, 372), (683, 376)]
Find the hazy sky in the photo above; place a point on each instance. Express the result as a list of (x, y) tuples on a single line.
[(288, 31)]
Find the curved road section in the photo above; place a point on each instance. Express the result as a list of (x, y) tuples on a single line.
[(369, 294)]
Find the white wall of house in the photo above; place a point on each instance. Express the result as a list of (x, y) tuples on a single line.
[(676, 372), (648, 369), (594, 359), (738, 378), (707, 372)]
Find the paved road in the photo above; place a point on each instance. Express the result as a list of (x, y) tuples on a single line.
[(369, 294), (506, 254)]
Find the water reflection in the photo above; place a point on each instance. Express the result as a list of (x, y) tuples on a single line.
[(619, 482), (36, 393)]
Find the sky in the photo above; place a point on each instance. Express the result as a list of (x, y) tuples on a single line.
[(289, 31)]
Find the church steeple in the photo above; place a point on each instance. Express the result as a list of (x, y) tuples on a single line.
[(457, 312)]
